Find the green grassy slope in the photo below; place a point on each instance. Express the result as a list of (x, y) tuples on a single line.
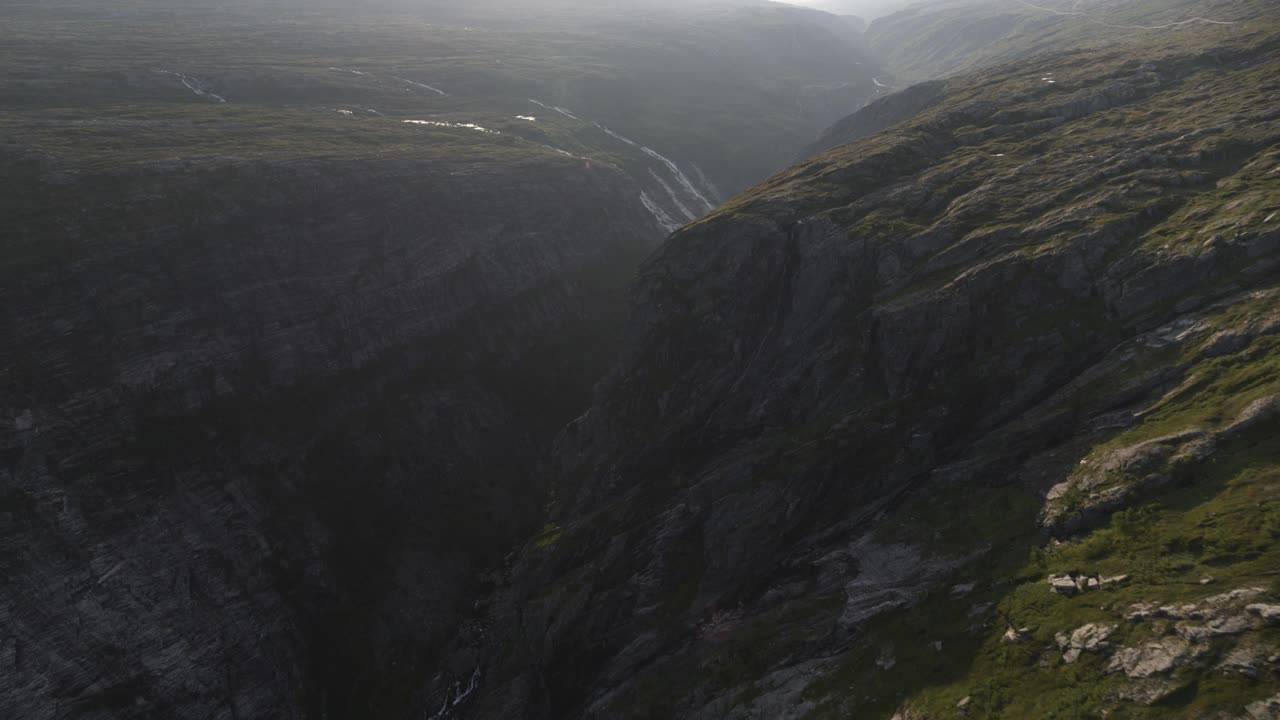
[(1207, 526)]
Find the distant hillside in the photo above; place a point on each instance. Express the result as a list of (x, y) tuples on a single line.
[(949, 37)]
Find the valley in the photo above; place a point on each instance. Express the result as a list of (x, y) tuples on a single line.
[(576, 360), (296, 298)]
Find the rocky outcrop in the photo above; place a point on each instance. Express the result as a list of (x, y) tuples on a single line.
[(1074, 585), (1089, 638), (1268, 709), (1200, 631), (1155, 658), (1116, 479)]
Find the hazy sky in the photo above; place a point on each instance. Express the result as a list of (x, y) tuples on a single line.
[(867, 9)]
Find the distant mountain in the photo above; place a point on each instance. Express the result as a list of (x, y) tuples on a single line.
[(947, 37), (867, 9)]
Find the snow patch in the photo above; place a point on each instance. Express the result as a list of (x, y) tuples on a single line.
[(560, 110), (195, 85), (424, 86), (658, 213), (706, 182), (455, 696), (616, 136), (675, 199), (108, 574), (467, 126), (676, 173), (563, 152), (679, 177), (686, 187), (530, 118)]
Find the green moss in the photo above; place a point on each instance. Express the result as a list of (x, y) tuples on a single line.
[(1215, 527), (1221, 522), (547, 537)]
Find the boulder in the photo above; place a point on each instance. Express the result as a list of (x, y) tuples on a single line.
[(887, 659), (1150, 691), (1063, 585), (1270, 613), (1215, 627), (1154, 658), (1090, 638), (1268, 709), (1246, 659), (1016, 635)]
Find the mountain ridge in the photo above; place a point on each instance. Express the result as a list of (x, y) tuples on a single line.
[(950, 315)]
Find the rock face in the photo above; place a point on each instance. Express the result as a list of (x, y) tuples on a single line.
[(1091, 638), (1217, 619), (1068, 585), (1152, 659), (1268, 709), (263, 421), (1117, 478), (843, 391)]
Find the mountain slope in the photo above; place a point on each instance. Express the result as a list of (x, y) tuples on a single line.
[(939, 39), (857, 400), (295, 297), (925, 44)]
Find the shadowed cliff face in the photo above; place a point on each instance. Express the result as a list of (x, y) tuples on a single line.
[(294, 299), (854, 403), (264, 422)]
